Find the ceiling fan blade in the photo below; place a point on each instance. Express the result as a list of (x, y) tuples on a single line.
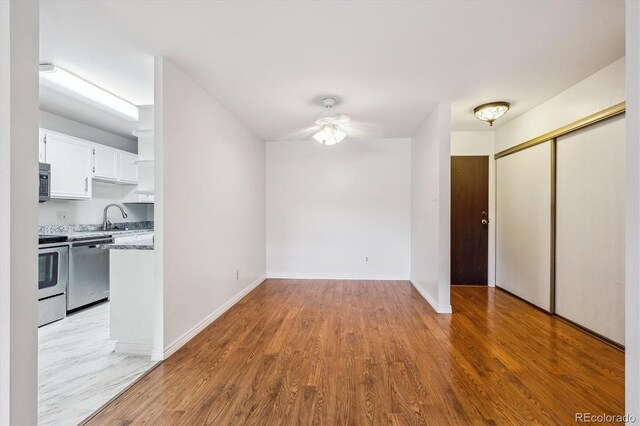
[(341, 118), (302, 134), (359, 129)]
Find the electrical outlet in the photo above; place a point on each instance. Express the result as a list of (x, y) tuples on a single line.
[(62, 216), (366, 259), (237, 275)]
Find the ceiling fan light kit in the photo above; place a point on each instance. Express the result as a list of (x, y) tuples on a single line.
[(491, 111), (329, 133)]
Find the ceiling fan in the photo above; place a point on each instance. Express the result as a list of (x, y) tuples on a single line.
[(329, 131), (332, 128)]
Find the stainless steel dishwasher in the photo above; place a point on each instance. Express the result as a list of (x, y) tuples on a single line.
[(88, 272)]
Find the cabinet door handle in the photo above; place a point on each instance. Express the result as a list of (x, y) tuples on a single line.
[(86, 184)]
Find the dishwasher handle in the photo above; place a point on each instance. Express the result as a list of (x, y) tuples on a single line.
[(92, 243)]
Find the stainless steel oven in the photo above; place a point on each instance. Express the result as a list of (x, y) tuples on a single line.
[(53, 276), (45, 181)]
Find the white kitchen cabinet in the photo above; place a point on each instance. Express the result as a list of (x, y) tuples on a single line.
[(145, 237), (42, 148), (114, 165), (132, 238), (139, 198), (71, 166), (131, 279), (147, 198), (75, 163), (105, 163), (128, 170), (125, 239)]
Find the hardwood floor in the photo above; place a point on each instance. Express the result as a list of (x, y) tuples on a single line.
[(374, 352)]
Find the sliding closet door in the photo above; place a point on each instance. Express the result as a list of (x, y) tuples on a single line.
[(523, 224), (590, 227)]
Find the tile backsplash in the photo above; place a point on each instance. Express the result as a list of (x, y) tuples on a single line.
[(90, 211)]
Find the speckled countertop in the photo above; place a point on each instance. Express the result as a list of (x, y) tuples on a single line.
[(133, 245), (73, 235), (73, 232)]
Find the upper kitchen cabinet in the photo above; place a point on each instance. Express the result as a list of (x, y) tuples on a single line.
[(105, 163), (128, 170), (114, 165), (71, 169), (76, 163), (42, 149)]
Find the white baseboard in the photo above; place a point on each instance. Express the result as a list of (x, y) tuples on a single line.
[(441, 309), (492, 283), (134, 348), (343, 278), (444, 309), (179, 342), (157, 355)]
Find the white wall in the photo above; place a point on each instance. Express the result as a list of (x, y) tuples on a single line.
[(80, 130), (213, 205), (632, 221), (481, 143), (18, 212), (472, 143), (431, 208), (593, 94), (331, 207)]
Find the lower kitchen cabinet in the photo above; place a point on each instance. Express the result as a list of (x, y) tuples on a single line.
[(132, 317)]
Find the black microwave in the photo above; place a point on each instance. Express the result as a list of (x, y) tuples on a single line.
[(45, 181)]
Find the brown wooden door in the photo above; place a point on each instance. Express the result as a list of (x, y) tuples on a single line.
[(469, 212)]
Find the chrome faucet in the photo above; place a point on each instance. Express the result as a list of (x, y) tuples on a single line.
[(105, 222)]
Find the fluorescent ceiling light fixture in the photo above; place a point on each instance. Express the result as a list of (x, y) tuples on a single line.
[(329, 134), (491, 112), (58, 79)]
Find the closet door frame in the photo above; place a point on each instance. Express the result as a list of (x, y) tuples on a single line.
[(552, 138)]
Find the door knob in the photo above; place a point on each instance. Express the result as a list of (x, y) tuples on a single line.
[(484, 222)]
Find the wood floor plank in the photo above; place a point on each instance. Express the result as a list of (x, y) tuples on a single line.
[(326, 352)]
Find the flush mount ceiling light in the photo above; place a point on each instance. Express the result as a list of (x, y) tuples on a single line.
[(491, 112), (58, 79), (329, 132)]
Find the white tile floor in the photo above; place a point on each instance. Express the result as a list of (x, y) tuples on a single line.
[(78, 370)]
